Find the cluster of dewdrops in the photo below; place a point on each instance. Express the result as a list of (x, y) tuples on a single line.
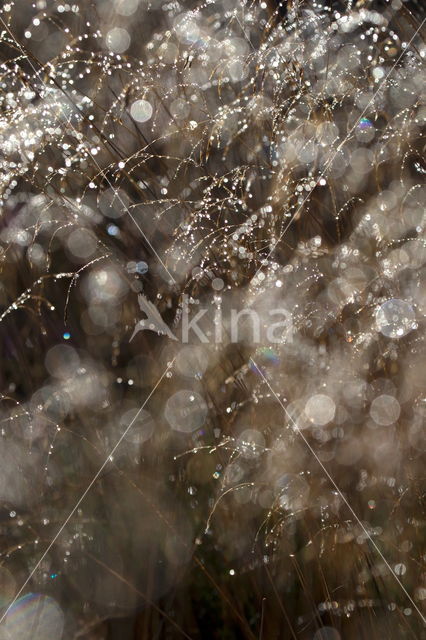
[(215, 136)]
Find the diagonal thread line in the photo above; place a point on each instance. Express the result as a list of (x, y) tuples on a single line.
[(342, 143), (88, 488), (330, 478), (95, 162)]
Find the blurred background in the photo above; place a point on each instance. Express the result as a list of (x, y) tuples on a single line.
[(224, 156)]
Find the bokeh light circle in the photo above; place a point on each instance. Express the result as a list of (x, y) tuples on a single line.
[(34, 617)]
